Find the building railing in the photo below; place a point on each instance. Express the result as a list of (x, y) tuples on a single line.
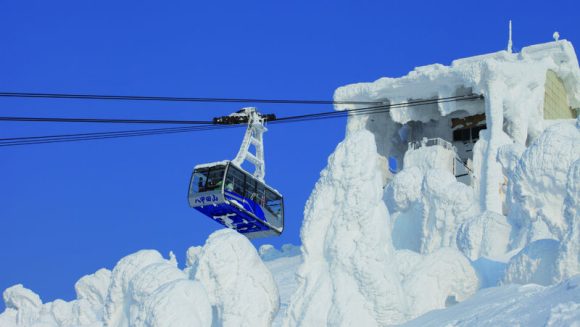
[(430, 142), (456, 166)]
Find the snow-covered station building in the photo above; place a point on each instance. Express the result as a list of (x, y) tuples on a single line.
[(500, 98), (470, 179)]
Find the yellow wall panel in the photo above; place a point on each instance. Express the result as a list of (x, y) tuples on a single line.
[(556, 104)]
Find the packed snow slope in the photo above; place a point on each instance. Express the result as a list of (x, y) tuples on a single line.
[(417, 247), (513, 305)]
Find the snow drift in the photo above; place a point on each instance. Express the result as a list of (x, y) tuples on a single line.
[(513, 305)]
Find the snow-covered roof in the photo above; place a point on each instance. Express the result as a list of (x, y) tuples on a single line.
[(521, 75)]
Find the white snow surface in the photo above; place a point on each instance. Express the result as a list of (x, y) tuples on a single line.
[(284, 269), (240, 288), (352, 274), (227, 285), (528, 305), (568, 262), (485, 235), (416, 248), (436, 280), (534, 264), (433, 157), (428, 207), (539, 185), (348, 276)]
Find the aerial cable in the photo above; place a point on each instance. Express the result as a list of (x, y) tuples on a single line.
[(205, 126), (174, 99), (98, 133), (105, 120), (104, 135), (322, 115)]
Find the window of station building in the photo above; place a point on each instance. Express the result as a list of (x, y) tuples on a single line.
[(462, 134), (470, 134), (475, 132)]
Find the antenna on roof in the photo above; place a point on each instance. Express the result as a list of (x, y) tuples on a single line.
[(509, 47)]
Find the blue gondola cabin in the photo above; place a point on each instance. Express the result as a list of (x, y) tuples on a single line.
[(236, 199)]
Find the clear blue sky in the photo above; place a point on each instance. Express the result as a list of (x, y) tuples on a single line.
[(68, 209)]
